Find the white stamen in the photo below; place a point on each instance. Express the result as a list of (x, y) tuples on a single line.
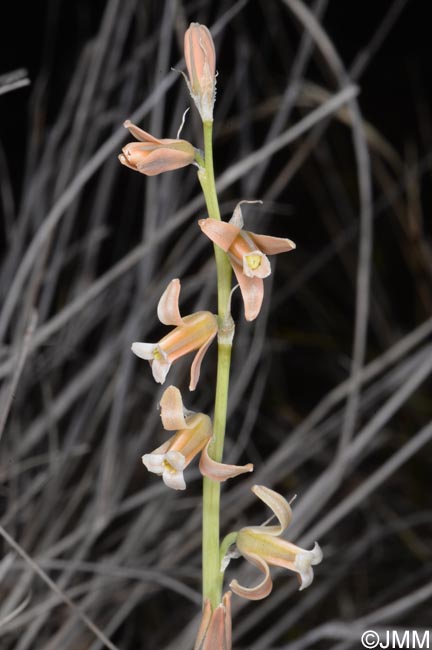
[(182, 123)]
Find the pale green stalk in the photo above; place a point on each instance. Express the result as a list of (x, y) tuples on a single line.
[(212, 574)]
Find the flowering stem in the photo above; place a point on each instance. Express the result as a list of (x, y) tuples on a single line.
[(207, 180), (212, 574)]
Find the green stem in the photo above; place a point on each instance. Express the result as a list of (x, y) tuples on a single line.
[(227, 541), (212, 574)]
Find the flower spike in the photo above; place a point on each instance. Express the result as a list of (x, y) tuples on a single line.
[(247, 252), (261, 546), (151, 156), (193, 332)]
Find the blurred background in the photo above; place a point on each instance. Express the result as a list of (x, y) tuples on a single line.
[(323, 112)]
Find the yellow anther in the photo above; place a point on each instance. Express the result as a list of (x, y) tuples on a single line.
[(169, 468), (253, 261), (157, 355)]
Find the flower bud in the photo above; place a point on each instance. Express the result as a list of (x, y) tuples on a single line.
[(215, 629), (200, 56)]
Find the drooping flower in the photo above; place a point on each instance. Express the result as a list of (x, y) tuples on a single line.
[(193, 435), (200, 56), (151, 156), (261, 546), (215, 631), (170, 459), (247, 252), (193, 332)]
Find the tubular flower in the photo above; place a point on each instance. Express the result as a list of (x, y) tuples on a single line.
[(193, 332), (195, 430), (248, 256), (200, 56), (261, 546), (151, 156), (215, 629), (193, 435)]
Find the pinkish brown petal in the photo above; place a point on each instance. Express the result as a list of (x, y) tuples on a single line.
[(220, 471), (153, 156), (272, 245), (252, 290), (216, 631), (172, 410), (125, 162), (205, 620), (221, 233), (280, 507), (199, 51), (136, 154), (156, 161), (226, 602), (215, 628), (168, 307), (164, 160), (262, 589), (196, 363), (140, 134)]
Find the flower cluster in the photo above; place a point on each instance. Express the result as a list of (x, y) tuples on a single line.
[(262, 547), (247, 253), (192, 332), (151, 156), (193, 434)]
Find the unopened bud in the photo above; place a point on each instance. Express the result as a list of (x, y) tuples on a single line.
[(200, 56)]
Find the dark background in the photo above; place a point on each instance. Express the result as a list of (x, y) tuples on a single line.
[(394, 89)]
